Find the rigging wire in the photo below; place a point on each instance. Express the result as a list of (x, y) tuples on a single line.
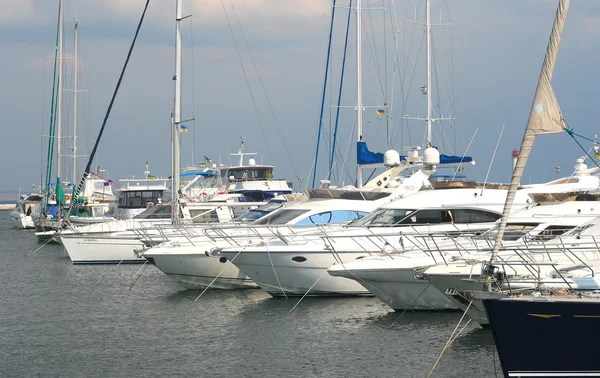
[(112, 100), (324, 92), (265, 93), (50, 152), (260, 123), (343, 70), (193, 89)]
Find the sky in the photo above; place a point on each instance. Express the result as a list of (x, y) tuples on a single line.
[(265, 83)]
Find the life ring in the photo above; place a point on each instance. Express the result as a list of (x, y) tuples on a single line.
[(203, 194), (221, 192), (67, 197)]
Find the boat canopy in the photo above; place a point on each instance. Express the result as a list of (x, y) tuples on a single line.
[(200, 173)]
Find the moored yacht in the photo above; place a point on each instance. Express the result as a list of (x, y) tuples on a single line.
[(297, 266), (189, 260), (26, 206)]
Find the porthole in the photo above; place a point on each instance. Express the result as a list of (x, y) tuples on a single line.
[(299, 259), (223, 260)]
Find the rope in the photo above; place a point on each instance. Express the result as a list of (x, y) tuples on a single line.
[(324, 92), (573, 134), (42, 246), (265, 93), (218, 275), (452, 338), (275, 273), (339, 101), (112, 100), (140, 271), (308, 291)]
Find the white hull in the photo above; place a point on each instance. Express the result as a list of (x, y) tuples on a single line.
[(102, 250), (285, 277), (21, 220), (398, 288), (193, 269), (452, 286)]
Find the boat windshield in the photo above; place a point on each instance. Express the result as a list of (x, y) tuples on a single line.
[(382, 217), (259, 212), (513, 231), (155, 212), (139, 199), (249, 174), (280, 217)]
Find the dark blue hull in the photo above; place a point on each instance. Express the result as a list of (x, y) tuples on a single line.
[(554, 338)]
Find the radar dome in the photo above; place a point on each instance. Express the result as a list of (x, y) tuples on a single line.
[(431, 156), (391, 158), (251, 162)]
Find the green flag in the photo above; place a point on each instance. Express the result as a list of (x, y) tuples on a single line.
[(60, 195)]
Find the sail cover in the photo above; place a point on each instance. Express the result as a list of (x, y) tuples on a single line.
[(450, 159), (364, 156)]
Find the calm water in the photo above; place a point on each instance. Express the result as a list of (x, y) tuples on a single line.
[(57, 319)]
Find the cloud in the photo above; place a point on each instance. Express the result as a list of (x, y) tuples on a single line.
[(15, 11)]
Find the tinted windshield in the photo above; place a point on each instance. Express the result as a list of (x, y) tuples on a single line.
[(259, 212), (383, 217), (155, 212), (282, 216)]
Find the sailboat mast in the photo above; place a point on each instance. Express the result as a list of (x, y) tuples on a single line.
[(75, 74), (429, 102), (176, 114), (359, 100), (544, 117), (59, 103)]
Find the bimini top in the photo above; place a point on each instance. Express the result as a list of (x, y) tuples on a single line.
[(200, 173)]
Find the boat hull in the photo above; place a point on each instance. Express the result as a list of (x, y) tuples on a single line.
[(546, 338), (398, 288), (102, 250), (194, 270), (21, 220), (296, 274)]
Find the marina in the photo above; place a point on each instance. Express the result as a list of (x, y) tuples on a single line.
[(406, 247)]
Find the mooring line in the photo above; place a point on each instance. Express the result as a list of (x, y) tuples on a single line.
[(308, 291), (452, 338), (140, 274), (36, 251), (218, 275)]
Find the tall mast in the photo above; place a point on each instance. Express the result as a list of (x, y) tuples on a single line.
[(359, 100), (176, 115), (75, 74), (59, 102), (429, 102)]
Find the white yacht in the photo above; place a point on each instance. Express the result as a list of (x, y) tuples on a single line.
[(298, 265), (26, 206), (395, 277), (115, 242), (556, 225), (190, 262)]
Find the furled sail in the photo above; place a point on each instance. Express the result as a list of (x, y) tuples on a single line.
[(545, 116), (364, 156)]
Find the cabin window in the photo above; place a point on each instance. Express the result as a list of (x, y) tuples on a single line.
[(473, 216), (139, 199), (282, 216), (204, 216), (551, 232), (383, 217), (334, 217), (250, 174), (155, 212), (517, 231), (427, 217)]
